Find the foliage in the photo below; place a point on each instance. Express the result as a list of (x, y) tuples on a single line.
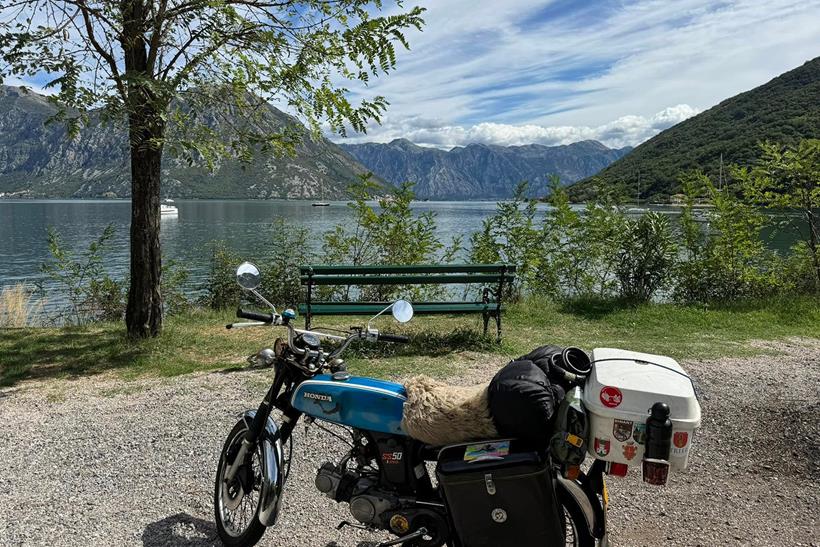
[(17, 307), (279, 266), (788, 177), (93, 294), (510, 236), (391, 234), (221, 290), (233, 54), (728, 259), (783, 110), (81, 279), (646, 257), (579, 250)]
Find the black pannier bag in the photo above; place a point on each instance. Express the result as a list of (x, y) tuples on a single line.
[(522, 402), (501, 501)]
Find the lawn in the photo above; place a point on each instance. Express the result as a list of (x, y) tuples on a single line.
[(441, 345)]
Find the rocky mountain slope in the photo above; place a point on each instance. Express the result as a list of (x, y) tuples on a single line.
[(786, 109), (39, 160), (480, 171)]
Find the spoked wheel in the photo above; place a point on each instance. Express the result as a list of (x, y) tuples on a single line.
[(236, 503)]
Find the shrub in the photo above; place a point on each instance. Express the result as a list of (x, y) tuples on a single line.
[(393, 234), (279, 266), (510, 236), (646, 257), (82, 280), (727, 259), (579, 251)]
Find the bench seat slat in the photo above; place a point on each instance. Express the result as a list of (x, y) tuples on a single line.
[(400, 279), (372, 308), (323, 269)]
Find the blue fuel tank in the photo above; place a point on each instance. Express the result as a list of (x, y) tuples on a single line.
[(363, 403)]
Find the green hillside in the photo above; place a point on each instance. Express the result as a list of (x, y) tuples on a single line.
[(785, 109)]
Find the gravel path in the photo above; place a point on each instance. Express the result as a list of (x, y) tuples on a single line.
[(96, 461)]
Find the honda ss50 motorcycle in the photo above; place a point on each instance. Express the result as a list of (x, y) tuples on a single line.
[(384, 477)]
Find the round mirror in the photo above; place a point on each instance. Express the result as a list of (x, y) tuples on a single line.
[(248, 276), (402, 310)]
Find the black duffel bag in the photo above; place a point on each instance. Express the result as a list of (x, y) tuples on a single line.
[(522, 402)]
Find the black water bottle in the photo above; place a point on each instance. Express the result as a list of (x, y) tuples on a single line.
[(658, 433)]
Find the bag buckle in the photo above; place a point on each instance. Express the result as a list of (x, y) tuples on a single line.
[(488, 482)]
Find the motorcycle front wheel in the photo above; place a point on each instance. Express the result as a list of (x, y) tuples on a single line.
[(237, 503)]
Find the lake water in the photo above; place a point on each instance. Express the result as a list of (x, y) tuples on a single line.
[(243, 225)]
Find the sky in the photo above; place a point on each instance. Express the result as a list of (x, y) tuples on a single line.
[(513, 72)]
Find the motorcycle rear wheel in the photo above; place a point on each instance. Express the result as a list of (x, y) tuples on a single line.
[(575, 524), (238, 527)]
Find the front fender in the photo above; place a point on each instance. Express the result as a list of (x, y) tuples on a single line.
[(273, 480)]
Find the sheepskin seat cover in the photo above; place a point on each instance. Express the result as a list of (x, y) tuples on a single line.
[(439, 414)]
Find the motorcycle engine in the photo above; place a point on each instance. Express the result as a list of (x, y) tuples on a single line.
[(375, 506), (368, 503)]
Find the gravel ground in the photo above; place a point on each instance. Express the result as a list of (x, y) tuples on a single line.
[(96, 461)]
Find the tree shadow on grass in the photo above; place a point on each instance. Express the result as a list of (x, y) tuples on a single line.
[(48, 353)]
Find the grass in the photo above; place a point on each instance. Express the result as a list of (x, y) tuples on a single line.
[(198, 341)]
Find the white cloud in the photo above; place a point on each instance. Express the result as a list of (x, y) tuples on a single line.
[(501, 71), (624, 131)]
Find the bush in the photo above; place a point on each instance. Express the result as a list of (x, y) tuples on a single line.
[(82, 280), (393, 234), (727, 259), (278, 265), (646, 257), (510, 236), (579, 251)]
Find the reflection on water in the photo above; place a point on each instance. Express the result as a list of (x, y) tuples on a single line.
[(243, 225)]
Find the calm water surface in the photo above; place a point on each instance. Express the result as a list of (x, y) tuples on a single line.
[(243, 225)]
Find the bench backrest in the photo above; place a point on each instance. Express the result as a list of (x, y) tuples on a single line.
[(418, 274)]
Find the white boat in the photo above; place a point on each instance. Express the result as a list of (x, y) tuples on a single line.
[(322, 202), (168, 209)]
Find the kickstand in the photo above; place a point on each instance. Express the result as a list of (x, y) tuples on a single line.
[(417, 534)]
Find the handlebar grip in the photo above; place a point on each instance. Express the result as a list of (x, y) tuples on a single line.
[(254, 316), (397, 338)]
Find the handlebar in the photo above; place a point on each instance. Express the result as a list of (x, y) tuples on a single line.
[(255, 316), (397, 338)]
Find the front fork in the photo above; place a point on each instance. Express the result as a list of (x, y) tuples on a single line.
[(262, 429), (257, 426)]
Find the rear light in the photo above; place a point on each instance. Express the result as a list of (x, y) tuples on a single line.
[(655, 471), (617, 469)]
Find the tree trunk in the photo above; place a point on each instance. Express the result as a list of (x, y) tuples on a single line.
[(143, 316), (146, 129)]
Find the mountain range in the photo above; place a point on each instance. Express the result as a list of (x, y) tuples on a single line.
[(42, 160), (481, 170), (785, 110)]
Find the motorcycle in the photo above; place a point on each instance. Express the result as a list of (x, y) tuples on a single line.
[(384, 477)]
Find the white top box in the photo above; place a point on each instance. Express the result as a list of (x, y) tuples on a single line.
[(618, 395)]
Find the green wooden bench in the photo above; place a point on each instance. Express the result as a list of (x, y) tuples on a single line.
[(492, 278)]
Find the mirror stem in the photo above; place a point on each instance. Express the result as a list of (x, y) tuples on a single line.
[(263, 299), (378, 314)]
